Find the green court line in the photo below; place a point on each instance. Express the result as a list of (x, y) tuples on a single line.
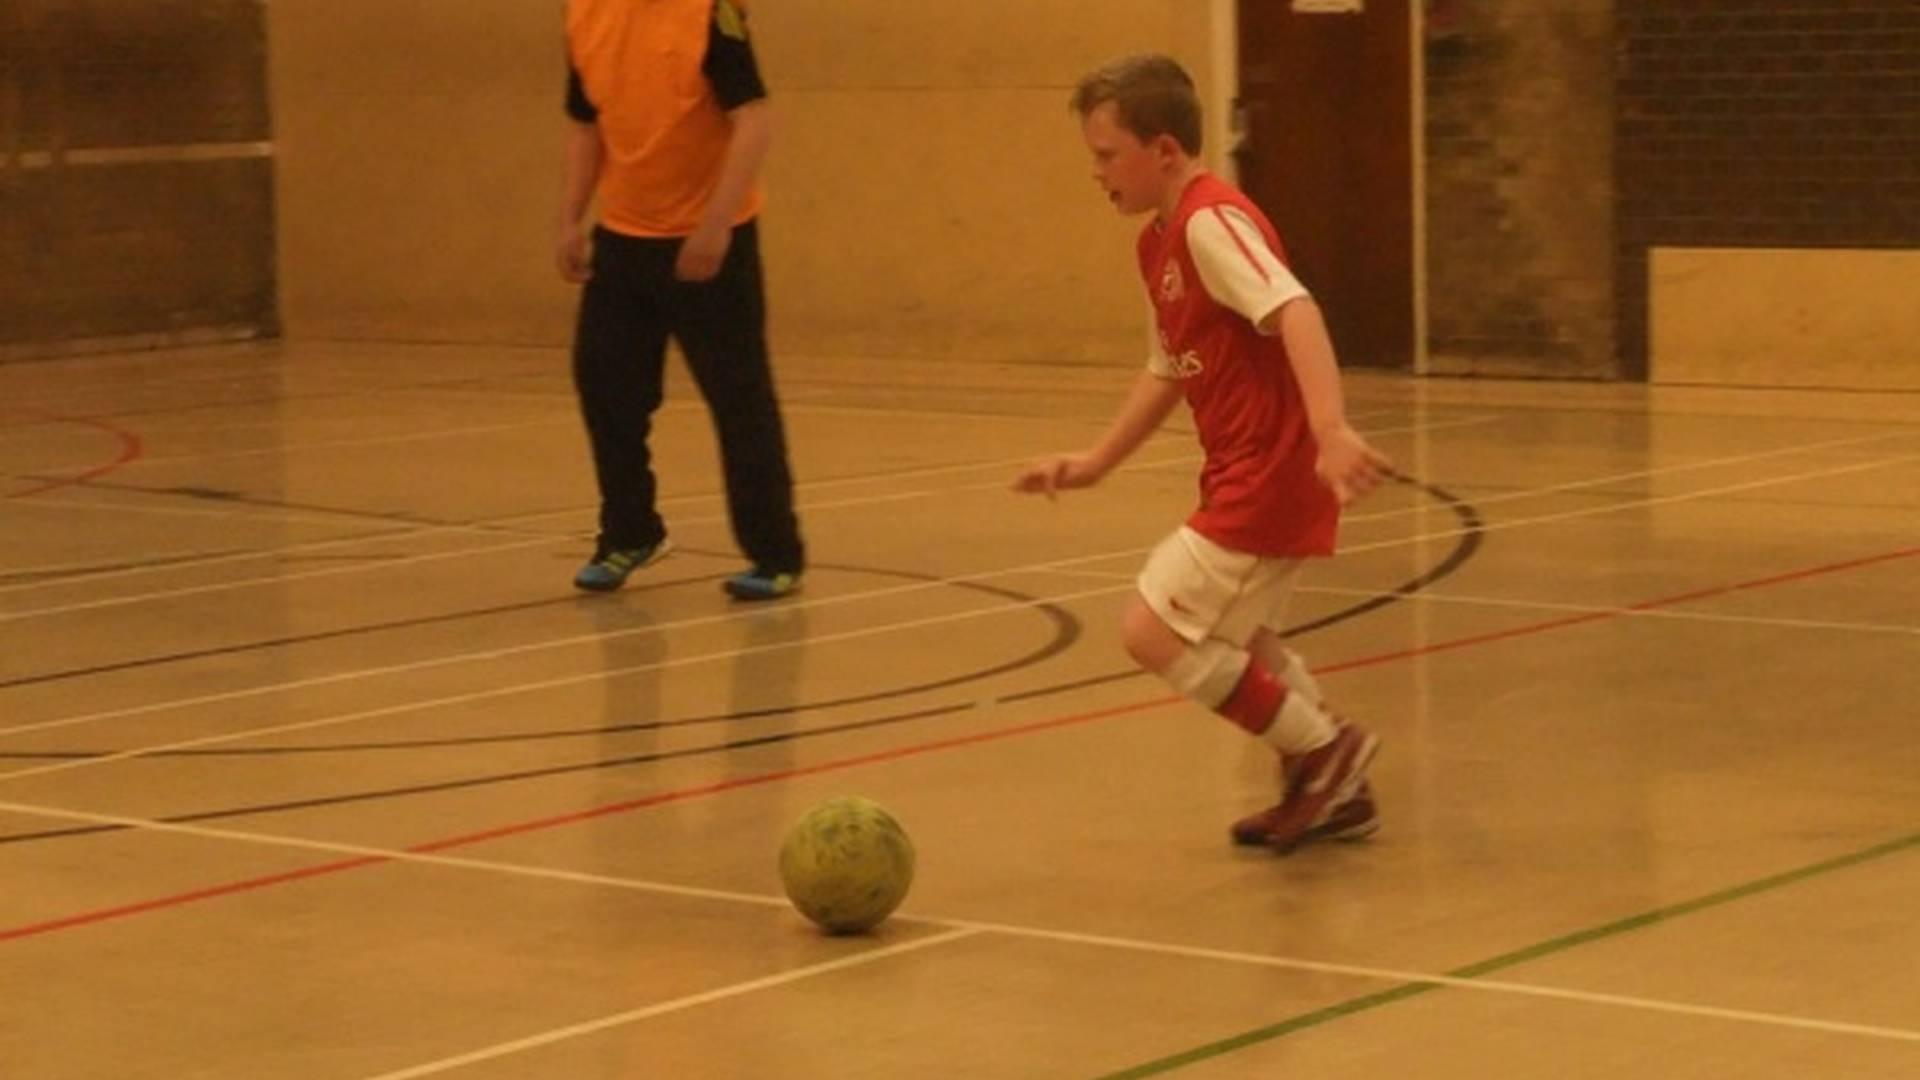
[(1510, 959)]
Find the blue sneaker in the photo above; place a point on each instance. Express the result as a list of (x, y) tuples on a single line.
[(609, 567), (761, 584)]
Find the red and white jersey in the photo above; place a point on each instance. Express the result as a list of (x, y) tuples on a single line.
[(1213, 272)]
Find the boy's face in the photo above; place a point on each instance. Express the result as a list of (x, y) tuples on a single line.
[(1134, 174)]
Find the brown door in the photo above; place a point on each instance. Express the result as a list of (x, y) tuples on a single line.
[(1328, 154)]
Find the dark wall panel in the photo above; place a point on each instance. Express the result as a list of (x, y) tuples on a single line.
[(145, 248), (1762, 123), (1519, 99), (138, 201)]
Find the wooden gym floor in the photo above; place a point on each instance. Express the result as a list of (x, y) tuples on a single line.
[(313, 765)]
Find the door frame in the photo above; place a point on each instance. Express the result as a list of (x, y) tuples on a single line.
[(1224, 132)]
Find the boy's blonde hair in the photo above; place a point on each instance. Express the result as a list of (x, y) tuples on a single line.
[(1152, 95)]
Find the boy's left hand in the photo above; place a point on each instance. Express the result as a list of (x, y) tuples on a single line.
[(1348, 465), (701, 254), (1054, 474)]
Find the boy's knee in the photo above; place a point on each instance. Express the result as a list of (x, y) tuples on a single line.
[(1207, 673), (1148, 640)]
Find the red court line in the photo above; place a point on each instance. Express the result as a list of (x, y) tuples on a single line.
[(102, 915), (89, 918), (130, 450)]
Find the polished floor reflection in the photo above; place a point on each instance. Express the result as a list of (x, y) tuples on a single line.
[(312, 763)]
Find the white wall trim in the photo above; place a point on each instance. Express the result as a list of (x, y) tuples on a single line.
[(1417, 124), (139, 155)]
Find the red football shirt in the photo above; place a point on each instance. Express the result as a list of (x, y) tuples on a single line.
[(1212, 272)]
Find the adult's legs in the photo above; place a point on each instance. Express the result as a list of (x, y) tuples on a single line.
[(619, 358), (721, 326)]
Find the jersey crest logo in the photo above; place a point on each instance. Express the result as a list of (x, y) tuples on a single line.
[(1173, 283), (1180, 365), (730, 19)]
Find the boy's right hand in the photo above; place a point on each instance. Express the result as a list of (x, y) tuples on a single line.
[(1348, 465), (573, 253), (1058, 473)]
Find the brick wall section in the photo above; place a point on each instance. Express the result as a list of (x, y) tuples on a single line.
[(1762, 123), (162, 248), (1519, 165), (152, 248)]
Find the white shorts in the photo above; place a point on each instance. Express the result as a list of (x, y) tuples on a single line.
[(1203, 590)]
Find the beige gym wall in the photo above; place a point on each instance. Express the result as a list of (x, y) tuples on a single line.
[(1784, 317), (928, 195)]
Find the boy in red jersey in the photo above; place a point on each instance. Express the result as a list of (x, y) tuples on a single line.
[(1239, 338)]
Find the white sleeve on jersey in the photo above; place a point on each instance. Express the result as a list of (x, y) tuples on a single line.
[(1237, 267)]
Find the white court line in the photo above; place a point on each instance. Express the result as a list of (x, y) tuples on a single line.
[(970, 929), (283, 449), (1429, 596), (956, 928), (262, 515), (386, 564), (394, 855), (315, 384), (1677, 614), (1495, 986), (478, 695), (41, 472), (40, 418), (289, 448), (574, 1031)]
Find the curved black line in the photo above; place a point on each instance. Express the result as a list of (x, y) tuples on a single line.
[(1465, 549), (1469, 543)]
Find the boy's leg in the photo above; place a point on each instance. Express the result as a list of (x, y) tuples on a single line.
[(1198, 608), (1196, 611), (1324, 792), (1353, 817), (721, 325), (1226, 679), (619, 354), (1267, 645)]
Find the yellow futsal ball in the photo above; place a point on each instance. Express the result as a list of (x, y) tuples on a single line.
[(846, 864)]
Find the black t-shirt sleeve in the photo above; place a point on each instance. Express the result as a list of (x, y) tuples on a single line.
[(578, 106), (730, 65)]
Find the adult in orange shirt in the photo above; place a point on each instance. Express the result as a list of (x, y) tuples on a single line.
[(669, 128)]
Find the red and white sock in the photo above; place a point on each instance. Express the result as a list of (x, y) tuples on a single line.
[(1245, 690)]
